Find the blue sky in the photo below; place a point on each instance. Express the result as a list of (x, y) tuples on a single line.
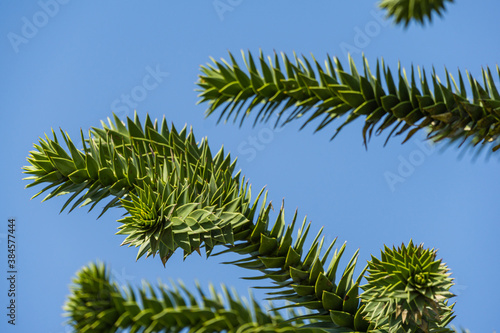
[(70, 63)]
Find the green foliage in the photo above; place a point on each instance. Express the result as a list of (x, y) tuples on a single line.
[(97, 304), (300, 276), (418, 10), (387, 103), (177, 195), (408, 290)]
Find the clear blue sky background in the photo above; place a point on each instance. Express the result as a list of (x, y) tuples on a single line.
[(73, 69)]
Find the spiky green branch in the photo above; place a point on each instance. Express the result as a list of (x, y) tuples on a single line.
[(178, 196), (305, 278), (176, 193), (404, 11), (97, 304), (299, 91)]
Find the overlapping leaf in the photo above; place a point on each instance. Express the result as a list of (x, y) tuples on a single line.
[(407, 290), (388, 103), (160, 222)]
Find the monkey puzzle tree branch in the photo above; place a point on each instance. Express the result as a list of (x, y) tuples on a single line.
[(175, 192), (97, 304), (305, 278), (387, 104)]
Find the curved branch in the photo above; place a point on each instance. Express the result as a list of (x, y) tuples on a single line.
[(175, 192), (330, 93)]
